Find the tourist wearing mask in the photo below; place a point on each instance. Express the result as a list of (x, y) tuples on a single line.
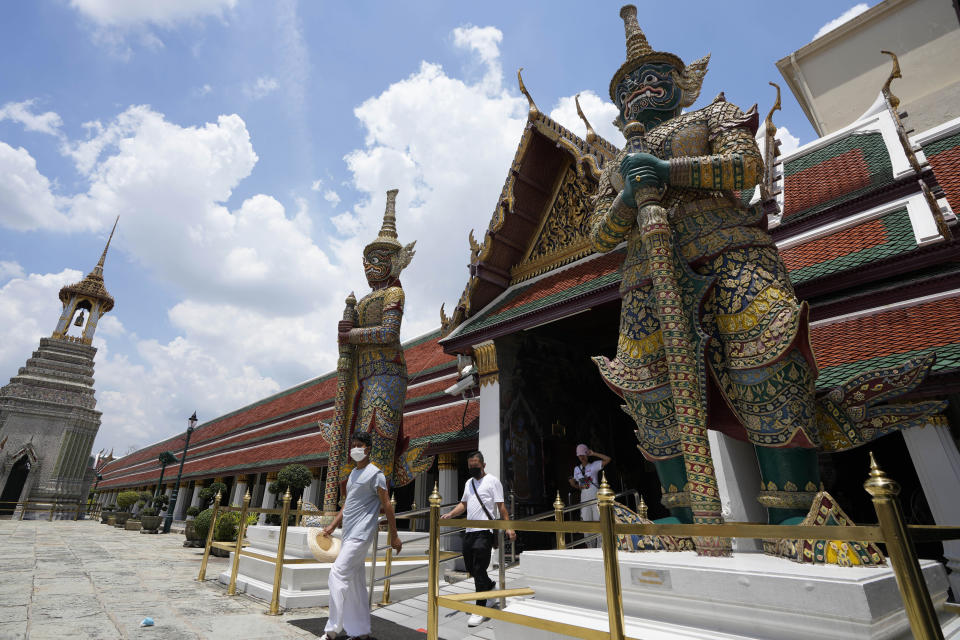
[(482, 500)]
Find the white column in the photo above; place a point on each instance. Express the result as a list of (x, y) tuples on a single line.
[(183, 499), (485, 356), (935, 457), (738, 479), (197, 486), (239, 489), (312, 493), (269, 499), (449, 491)]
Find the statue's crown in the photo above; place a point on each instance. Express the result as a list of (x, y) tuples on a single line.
[(387, 238), (640, 52)]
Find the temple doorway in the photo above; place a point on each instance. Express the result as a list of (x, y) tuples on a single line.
[(14, 486), (554, 399)]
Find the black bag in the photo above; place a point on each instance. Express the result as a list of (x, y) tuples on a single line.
[(496, 538)]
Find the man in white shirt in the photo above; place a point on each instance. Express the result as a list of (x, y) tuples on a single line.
[(366, 496), (586, 478), (482, 500)]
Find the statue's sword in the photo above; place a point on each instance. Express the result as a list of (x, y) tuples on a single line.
[(341, 416), (684, 358)]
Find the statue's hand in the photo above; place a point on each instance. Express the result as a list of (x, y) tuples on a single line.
[(642, 170), (343, 331)]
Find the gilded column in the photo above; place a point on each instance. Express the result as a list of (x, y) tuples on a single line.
[(485, 357)]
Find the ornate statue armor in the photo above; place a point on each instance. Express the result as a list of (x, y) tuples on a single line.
[(712, 335)]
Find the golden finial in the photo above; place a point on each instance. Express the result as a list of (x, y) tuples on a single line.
[(413, 506), (435, 499), (558, 503), (217, 498), (286, 495), (637, 44), (642, 509), (300, 502), (246, 496), (768, 122), (605, 494), (894, 73), (393, 501), (878, 484), (475, 246), (591, 134), (534, 112)]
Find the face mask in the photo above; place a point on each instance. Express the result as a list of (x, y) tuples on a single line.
[(357, 454), (475, 472)]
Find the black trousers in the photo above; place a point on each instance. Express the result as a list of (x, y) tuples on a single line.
[(476, 556)]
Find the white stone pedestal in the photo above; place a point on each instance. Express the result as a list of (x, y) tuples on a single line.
[(305, 585), (749, 596)]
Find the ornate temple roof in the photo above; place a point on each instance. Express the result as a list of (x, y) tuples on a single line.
[(92, 285)]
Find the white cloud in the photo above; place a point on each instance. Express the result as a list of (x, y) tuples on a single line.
[(262, 87), (331, 196), (127, 13), (485, 42), (599, 111), (205, 90), (10, 270), (48, 122), (26, 199), (846, 16), (417, 131), (788, 142)]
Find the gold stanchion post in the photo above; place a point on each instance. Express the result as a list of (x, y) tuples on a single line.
[(299, 510), (388, 563), (433, 577), (558, 516), (241, 530), (281, 544), (413, 519), (903, 557), (206, 552), (611, 568)]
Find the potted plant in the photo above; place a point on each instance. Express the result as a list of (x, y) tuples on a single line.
[(149, 520), (225, 531), (125, 499), (105, 514), (189, 532)]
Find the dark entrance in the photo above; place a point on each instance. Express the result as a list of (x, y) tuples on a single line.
[(14, 486), (552, 399)]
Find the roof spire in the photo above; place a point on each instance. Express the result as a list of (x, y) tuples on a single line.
[(533, 111), (98, 270), (591, 134)]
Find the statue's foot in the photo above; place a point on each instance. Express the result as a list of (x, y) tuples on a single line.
[(825, 512)]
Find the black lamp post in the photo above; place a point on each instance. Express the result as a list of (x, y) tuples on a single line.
[(165, 458), (167, 521)]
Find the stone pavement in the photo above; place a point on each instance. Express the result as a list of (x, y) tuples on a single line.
[(67, 579)]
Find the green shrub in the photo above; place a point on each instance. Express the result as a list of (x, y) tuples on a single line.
[(296, 477), (193, 510), (161, 502), (201, 524), (226, 529), (126, 498), (145, 496), (140, 504), (207, 494), (149, 511)]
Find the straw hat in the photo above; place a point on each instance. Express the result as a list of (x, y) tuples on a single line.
[(323, 547)]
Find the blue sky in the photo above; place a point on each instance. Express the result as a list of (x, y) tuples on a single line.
[(247, 146)]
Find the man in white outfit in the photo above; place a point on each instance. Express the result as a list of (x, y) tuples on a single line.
[(482, 500), (586, 478), (366, 495)]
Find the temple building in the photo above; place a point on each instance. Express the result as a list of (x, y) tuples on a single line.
[(48, 416), (864, 218)]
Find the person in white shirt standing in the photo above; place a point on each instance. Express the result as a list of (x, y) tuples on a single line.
[(366, 496), (482, 500), (586, 478)]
